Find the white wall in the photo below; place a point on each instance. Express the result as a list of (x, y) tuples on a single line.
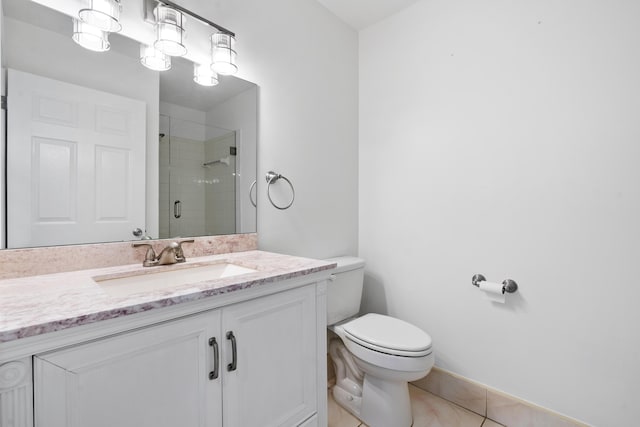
[(502, 138), (304, 61)]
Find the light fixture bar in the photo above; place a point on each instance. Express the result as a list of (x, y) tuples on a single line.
[(198, 17)]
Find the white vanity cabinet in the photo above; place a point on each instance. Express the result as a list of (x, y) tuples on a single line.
[(155, 376), (164, 375), (275, 380)]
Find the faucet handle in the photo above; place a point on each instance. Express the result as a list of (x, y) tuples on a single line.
[(179, 252), (150, 256)]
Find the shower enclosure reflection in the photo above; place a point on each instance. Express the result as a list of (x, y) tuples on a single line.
[(200, 174)]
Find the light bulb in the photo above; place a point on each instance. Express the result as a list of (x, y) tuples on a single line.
[(223, 54), (153, 59), (170, 32), (204, 75), (90, 37)]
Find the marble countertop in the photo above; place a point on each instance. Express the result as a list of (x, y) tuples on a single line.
[(35, 305)]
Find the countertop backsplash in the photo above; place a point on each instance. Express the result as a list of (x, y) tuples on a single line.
[(16, 263)]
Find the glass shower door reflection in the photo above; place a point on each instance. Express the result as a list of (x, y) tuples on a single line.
[(197, 179)]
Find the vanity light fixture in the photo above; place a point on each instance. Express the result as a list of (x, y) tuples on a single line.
[(95, 22), (170, 31), (153, 59), (204, 75), (223, 53), (90, 37), (102, 14)]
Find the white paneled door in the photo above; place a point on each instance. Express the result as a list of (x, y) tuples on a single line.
[(75, 163)]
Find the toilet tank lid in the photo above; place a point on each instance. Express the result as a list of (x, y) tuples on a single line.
[(346, 263)]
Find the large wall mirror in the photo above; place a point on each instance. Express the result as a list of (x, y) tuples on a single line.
[(101, 149)]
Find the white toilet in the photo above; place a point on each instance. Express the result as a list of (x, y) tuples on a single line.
[(375, 356)]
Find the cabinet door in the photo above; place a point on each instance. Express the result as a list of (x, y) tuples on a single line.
[(153, 377), (274, 381)]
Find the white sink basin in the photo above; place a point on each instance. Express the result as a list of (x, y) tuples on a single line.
[(168, 277)]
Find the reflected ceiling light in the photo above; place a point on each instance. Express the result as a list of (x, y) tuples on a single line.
[(223, 53), (102, 14), (90, 37), (204, 75), (153, 59), (170, 32)]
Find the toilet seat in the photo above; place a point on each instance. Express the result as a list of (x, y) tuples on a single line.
[(388, 335)]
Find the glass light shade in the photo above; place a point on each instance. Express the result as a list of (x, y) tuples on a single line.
[(170, 31), (102, 14), (204, 75), (153, 59), (223, 54), (90, 37)]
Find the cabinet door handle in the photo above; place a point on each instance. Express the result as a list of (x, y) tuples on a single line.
[(234, 352), (216, 356)]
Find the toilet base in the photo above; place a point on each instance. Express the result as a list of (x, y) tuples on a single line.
[(347, 400), (378, 396), (385, 403)]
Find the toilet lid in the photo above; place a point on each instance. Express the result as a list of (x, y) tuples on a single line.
[(388, 335)]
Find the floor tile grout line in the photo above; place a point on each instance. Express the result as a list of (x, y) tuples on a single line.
[(454, 403), (483, 417), (486, 403)]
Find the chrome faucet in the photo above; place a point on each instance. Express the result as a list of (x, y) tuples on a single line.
[(171, 254), (150, 256)]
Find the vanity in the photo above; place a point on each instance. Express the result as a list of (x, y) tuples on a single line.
[(134, 346), (101, 148)]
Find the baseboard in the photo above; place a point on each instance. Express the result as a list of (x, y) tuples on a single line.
[(493, 404)]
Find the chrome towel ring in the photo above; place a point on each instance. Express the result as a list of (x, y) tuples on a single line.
[(254, 203), (272, 177)]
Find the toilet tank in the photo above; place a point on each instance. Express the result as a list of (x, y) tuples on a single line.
[(344, 289)]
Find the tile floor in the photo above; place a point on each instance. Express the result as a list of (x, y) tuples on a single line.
[(429, 410)]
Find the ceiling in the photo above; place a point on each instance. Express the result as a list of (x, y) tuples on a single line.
[(360, 14)]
